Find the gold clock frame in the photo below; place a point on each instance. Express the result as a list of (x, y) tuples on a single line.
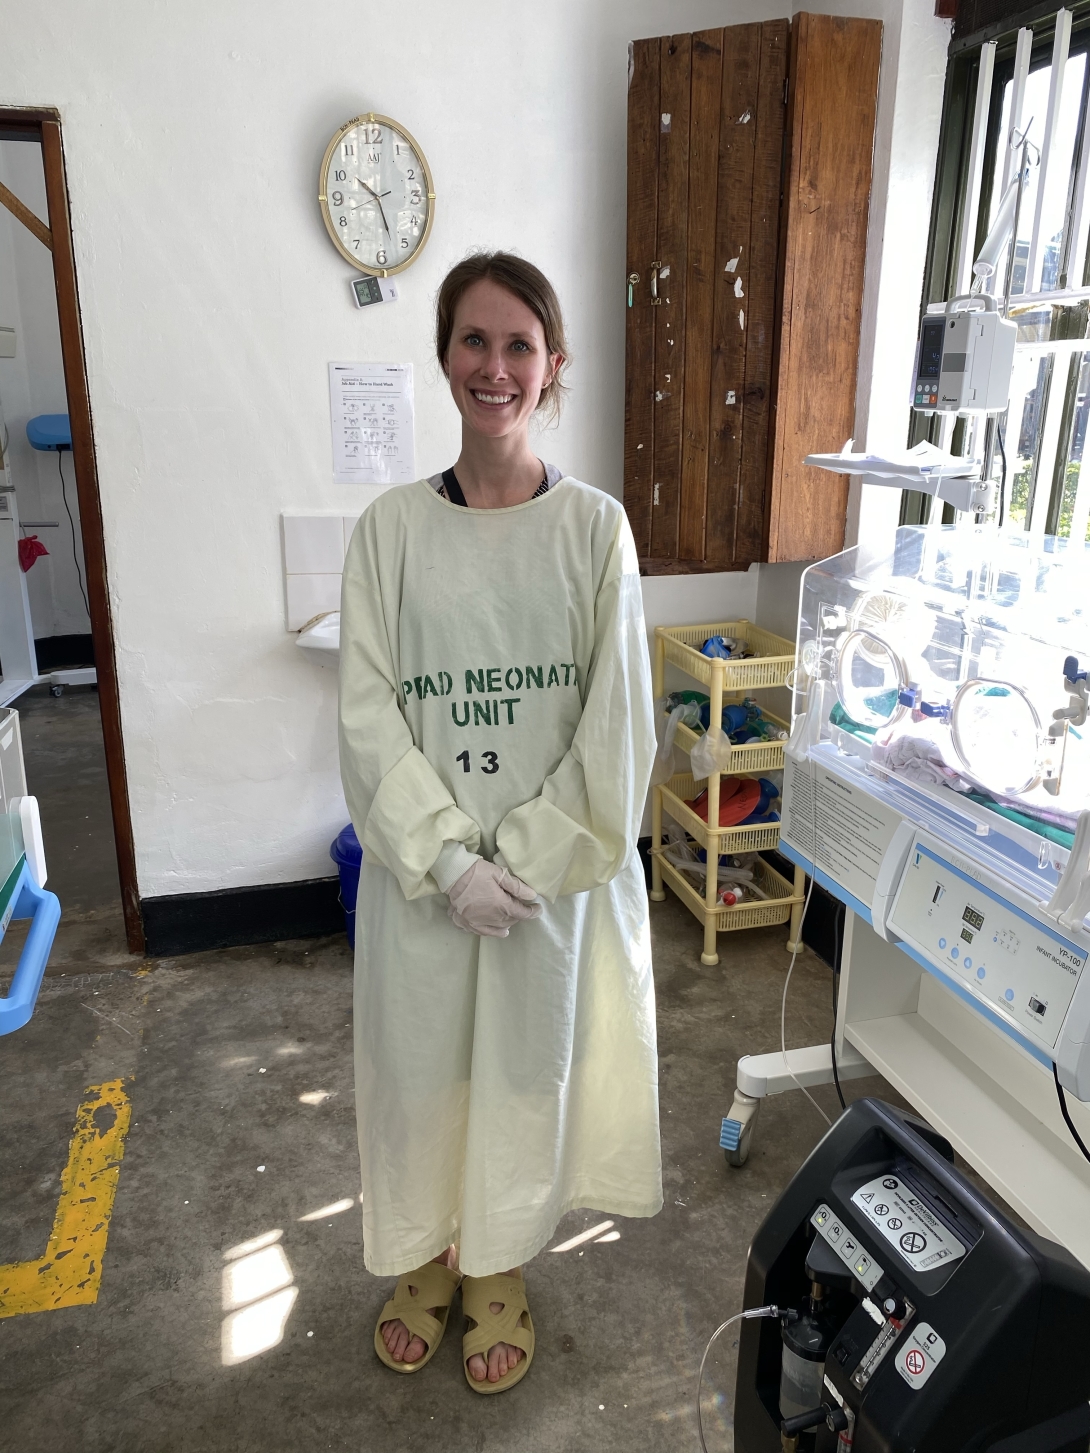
[(373, 118)]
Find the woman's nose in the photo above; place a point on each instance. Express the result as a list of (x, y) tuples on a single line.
[(495, 366)]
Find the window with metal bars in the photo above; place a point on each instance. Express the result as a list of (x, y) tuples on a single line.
[(1017, 105)]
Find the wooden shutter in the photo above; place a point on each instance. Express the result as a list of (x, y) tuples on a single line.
[(705, 141), (834, 98), (753, 217)]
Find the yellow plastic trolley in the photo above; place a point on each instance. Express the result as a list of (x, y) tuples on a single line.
[(726, 682)]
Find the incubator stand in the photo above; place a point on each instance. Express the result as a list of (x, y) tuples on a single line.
[(938, 766)]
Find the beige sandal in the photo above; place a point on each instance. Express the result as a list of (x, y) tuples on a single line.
[(512, 1324), (435, 1287)]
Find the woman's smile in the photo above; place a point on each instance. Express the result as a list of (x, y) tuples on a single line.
[(492, 400)]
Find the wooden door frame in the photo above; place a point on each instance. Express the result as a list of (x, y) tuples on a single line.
[(45, 124)]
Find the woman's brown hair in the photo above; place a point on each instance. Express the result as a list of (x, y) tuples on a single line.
[(530, 285)]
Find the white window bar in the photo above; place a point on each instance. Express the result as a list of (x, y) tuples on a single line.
[(1059, 346), (1022, 53), (1077, 257), (967, 248), (1046, 452), (1060, 47), (1080, 515), (1022, 301), (1023, 378)]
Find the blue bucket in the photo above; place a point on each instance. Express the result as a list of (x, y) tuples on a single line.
[(346, 852)]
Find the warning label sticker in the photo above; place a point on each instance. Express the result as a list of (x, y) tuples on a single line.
[(907, 1223), (920, 1355)]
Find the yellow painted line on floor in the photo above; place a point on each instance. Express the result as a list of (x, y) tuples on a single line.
[(70, 1272)]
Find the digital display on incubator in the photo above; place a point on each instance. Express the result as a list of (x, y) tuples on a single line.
[(931, 350), (966, 935), (973, 918)]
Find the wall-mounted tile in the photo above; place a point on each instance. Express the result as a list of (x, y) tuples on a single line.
[(313, 544), (350, 522), (310, 595)]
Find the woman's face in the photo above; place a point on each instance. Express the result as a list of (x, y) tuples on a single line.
[(497, 362)]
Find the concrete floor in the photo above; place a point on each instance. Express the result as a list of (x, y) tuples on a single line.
[(620, 1326), (242, 1059)]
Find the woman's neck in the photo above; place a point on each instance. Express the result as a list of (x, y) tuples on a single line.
[(497, 473)]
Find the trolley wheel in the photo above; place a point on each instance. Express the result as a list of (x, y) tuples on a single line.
[(56, 691), (736, 1138)]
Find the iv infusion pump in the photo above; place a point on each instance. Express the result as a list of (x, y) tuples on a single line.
[(964, 358)]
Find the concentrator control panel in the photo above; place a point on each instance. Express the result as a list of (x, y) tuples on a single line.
[(1006, 953)]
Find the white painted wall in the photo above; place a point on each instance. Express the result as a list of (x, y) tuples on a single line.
[(32, 383), (213, 300), (905, 153)]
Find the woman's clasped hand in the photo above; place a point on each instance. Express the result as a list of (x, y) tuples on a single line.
[(489, 901)]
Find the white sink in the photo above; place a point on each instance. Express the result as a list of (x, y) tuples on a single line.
[(321, 640)]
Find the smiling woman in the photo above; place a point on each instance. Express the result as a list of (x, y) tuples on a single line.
[(504, 1004), (499, 338)]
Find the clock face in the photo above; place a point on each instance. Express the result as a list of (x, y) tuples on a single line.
[(376, 194)]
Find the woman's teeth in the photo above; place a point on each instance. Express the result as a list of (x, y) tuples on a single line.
[(492, 398)]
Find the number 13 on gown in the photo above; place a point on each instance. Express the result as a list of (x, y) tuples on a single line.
[(490, 759)]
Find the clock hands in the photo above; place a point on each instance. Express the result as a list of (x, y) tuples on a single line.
[(378, 198)]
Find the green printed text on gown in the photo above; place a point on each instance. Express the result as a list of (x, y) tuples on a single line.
[(487, 679)]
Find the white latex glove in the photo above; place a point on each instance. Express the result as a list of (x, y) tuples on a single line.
[(489, 901)]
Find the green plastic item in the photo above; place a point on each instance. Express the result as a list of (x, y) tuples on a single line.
[(840, 718), (1042, 829)]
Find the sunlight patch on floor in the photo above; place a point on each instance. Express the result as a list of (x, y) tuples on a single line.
[(258, 1295), (594, 1233), (333, 1209)]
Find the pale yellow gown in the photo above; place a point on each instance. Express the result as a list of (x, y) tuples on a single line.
[(495, 698)]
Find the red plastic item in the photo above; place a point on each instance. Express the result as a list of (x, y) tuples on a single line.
[(738, 797), (30, 549)]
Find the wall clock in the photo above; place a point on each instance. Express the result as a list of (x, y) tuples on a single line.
[(376, 195)]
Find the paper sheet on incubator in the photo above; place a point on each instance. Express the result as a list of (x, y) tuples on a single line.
[(924, 461)]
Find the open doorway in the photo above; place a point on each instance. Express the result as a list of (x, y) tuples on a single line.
[(56, 638)]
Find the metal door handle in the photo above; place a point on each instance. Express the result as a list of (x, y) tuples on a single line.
[(656, 301)]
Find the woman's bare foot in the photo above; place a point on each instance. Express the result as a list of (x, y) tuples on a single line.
[(503, 1357), (400, 1344)]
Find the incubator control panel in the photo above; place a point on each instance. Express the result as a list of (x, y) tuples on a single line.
[(1024, 969)]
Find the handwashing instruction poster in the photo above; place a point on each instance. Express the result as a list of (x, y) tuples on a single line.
[(371, 409)]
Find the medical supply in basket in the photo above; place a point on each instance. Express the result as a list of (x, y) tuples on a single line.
[(742, 722), (726, 648), (742, 800)]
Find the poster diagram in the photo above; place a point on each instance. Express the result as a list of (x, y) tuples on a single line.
[(371, 411)]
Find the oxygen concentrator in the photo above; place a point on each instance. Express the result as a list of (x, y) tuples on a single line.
[(914, 1314)]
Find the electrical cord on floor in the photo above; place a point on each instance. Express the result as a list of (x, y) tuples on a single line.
[(1066, 1113), (783, 1017), (1003, 481), (72, 523), (787, 1313), (836, 997), (795, 952)]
